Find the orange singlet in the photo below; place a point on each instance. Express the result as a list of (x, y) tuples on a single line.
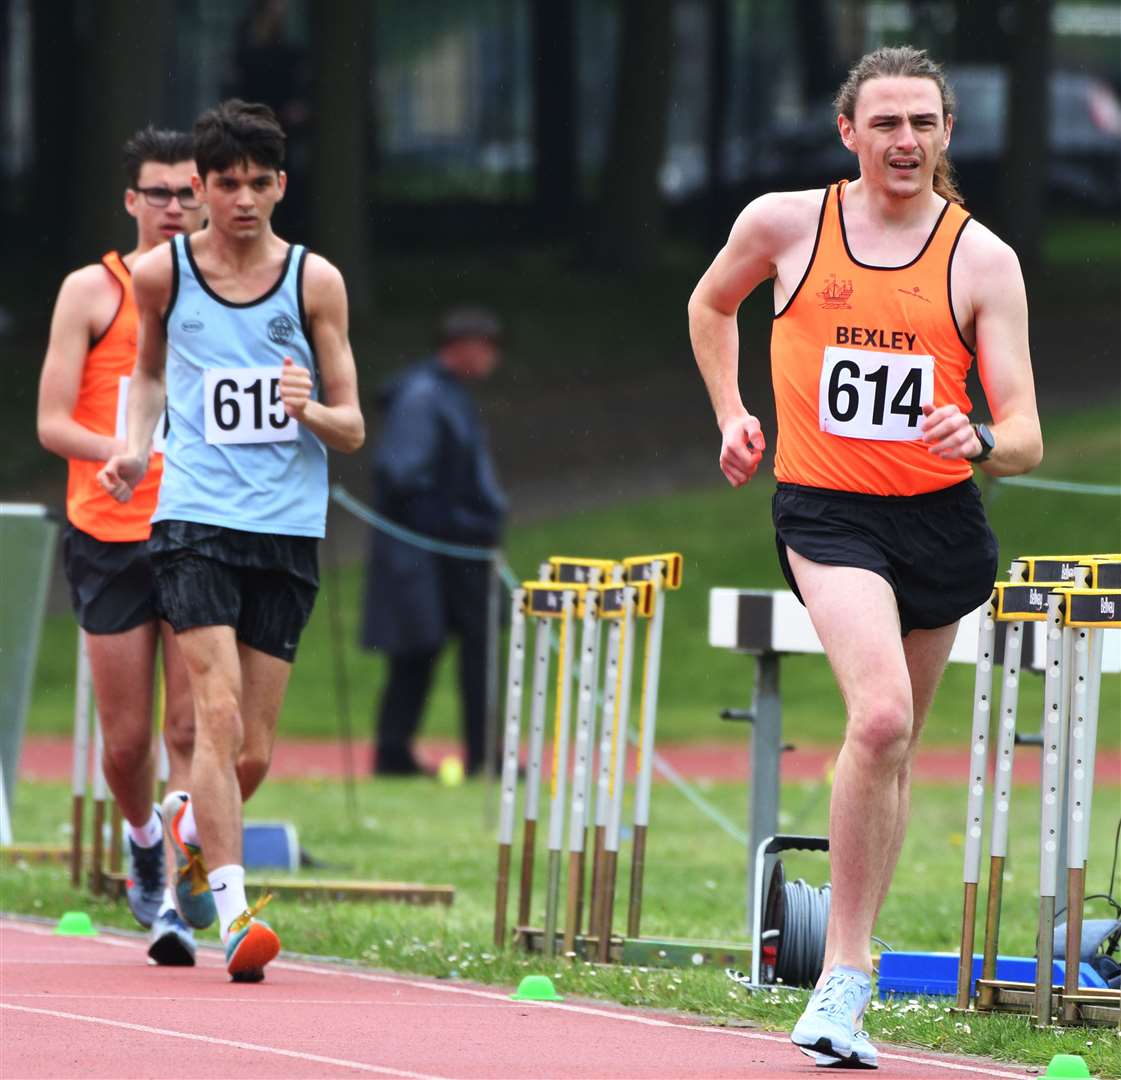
[(110, 359), (856, 352)]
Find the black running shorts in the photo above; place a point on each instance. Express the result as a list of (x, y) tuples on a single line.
[(936, 550), (263, 585), (112, 587)]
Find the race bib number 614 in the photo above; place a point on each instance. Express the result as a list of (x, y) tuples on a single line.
[(242, 405), (874, 395)]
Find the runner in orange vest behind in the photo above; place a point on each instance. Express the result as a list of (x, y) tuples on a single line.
[(82, 394), (885, 291)]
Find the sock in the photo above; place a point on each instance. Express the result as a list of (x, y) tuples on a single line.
[(227, 883), (168, 902), (149, 834), (188, 830)]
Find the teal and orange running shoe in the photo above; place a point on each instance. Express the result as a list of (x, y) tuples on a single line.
[(251, 945), (193, 898)]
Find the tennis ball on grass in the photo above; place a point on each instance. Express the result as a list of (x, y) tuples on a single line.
[(450, 771)]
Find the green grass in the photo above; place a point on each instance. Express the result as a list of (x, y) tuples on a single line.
[(727, 539), (419, 831)]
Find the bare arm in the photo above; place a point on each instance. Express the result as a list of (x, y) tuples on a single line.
[(61, 378), (337, 417), (765, 229), (151, 285), (993, 287)]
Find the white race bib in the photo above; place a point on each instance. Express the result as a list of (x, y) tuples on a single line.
[(242, 405), (874, 395), (159, 436)]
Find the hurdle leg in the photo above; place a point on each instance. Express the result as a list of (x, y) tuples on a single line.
[(1083, 736), (581, 771), (100, 789), (533, 768), (80, 769), (1002, 794), (603, 782), (613, 830), (507, 809), (649, 712), (559, 774), (1049, 825), (978, 770)]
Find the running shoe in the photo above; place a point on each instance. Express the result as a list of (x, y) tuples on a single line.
[(193, 898), (829, 1023), (171, 943), (862, 1055), (145, 881), (251, 945)]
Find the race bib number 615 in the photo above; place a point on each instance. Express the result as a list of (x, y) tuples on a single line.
[(242, 405), (874, 395)]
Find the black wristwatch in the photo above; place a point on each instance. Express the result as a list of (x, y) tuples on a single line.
[(988, 443)]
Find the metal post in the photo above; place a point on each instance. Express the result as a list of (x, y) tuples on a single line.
[(766, 764), (507, 810), (82, 695), (975, 808)]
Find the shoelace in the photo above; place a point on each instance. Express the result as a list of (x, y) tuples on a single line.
[(148, 862), (840, 998), (195, 870), (246, 917)]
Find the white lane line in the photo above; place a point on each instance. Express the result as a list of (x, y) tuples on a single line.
[(319, 1059), (245, 1002), (586, 1010)]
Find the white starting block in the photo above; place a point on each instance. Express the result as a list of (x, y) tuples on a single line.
[(770, 624)]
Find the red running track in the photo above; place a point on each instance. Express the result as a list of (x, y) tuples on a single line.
[(92, 1007), (49, 758)]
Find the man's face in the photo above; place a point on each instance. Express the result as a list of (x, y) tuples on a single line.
[(897, 132), (480, 357), (158, 182), (241, 199)]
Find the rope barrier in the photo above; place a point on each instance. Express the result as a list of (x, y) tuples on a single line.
[(1068, 487)]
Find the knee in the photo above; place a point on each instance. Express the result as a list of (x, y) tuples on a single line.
[(882, 732), (127, 757), (217, 724)]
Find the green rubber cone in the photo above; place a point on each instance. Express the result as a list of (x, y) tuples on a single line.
[(1067, 1065), (536, 988), (75, 924)]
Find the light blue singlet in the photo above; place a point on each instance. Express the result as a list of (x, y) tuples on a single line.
[(231, 459)]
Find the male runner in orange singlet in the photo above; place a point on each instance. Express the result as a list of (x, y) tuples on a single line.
[(885, 291)]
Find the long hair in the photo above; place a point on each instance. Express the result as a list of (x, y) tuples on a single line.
[(903, 60)]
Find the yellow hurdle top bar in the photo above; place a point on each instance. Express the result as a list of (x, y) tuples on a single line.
[(641, 568), (1022, 602), (543, 599), (1092, 607), (568, 568), (1060, 569)]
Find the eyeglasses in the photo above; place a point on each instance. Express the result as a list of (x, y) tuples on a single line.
[(161, 196)]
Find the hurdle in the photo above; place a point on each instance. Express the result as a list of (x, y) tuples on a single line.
[(592, 592), (1054, 592)]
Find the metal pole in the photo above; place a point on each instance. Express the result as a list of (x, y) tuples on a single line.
[(80, 768), (507, 809), (490, 731), (766, 764), (975, 807)]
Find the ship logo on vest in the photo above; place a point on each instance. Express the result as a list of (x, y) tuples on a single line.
[(836, 293), (281, 330)]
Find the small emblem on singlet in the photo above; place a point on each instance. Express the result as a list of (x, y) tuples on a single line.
[(191, 326), (914, 294), (281, 330), (836, 293)]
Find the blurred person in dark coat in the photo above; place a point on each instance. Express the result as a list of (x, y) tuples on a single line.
[(433, 473)]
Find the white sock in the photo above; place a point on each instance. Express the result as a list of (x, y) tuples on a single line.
[(188, 830), (168, 902), (227, 883), (149, 834)]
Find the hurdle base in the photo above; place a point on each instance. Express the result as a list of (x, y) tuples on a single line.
[(643, 952), (314, 889), (39, 853), (1087, 1008)]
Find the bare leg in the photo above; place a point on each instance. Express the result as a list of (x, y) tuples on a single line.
[(122, 667), (855, 615), (211, 657), (264, 682), (179, 712)]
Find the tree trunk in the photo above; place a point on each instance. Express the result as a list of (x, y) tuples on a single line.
[(630, 208), (716, 127), (124, 80), (554, 113), (340, 170), (1024, 176)]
